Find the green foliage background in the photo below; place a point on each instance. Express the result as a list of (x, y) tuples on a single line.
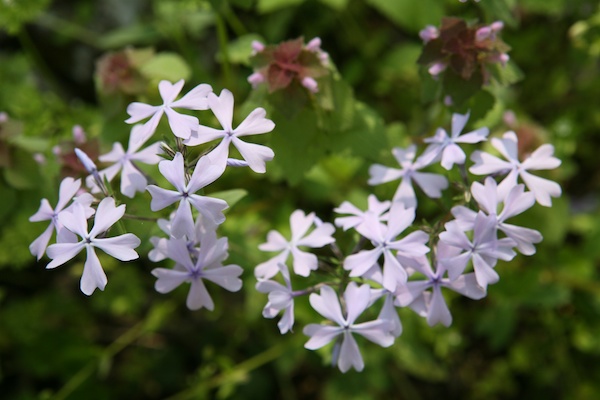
[(536, 335)]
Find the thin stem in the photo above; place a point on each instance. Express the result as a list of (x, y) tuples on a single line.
[(140, 218)]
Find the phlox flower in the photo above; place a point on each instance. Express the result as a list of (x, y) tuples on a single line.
[(540, 159), (206, 264), (132, 179), (181, 124), (431, 184), (516, 202), (375, 211), (256, 155), (120, 247), (484, 250), (280, 298), (447, 148), (68, 188), (357, 299), (303, 262), (425, 295), (385, 240), (204, 174)]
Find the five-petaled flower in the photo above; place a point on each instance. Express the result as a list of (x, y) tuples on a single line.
[(182, 125), (120, 247), (256, 155), (357, 299)]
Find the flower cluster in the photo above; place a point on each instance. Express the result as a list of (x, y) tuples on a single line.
[(290, 62), (192, 241), (464, 50), (396, 265)]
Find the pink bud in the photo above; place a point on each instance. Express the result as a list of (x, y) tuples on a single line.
[(86, 161), (39, 158), (510, 119), (497, 26), (78, 134), (256, 79), (314, 44), (324, 58), (310, 84), (437, 68), (3, 117), (257, 46), (448, 101), (483, 34), (56, 150), (429, 33)]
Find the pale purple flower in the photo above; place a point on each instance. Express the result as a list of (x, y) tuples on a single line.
[(431, 184), (357, 299), (204, 174), (132, 179), (425, 295), (446, 147), (303, 262), (429, 33), (540, 159), (120, 247), (256, 155), (68, 189), (384, 240), (377, 210), (205, 265), (484, 250), (182, 125), (280, 298), (201, 228), (516, 202)]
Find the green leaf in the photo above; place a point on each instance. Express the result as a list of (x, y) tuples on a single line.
[(266, 6), (461, 90), (297, 144), (499, 10), (231, 196), (24, 173), (240, 49), (506, 75), (337, 5), (169, 66), (412, 15)]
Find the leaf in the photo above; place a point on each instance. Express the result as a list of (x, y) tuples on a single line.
[(231, 196), (412, 15), (169, 66), (267, 6), (459, 89), (337, 5), (240, 49), (296, 143), (506, 75)]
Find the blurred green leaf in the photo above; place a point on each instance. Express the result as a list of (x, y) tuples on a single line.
[(266, 6), (409, 14), (169, 66)]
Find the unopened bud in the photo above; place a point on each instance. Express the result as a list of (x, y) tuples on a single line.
[(429, 33), (78, 134), (314, 45), (257, 46), (310, 84), (256, 79)]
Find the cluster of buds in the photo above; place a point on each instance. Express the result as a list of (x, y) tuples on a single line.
[(464, 50), (288, 63)]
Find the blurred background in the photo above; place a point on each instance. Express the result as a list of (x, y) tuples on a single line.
[(79, 63)]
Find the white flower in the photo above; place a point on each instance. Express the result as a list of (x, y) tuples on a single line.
[(280, 298), (446, 147), (431, 304), (384, 239), (181, 124), (432, 184), (207, 266), (204, 174), (132, 179), (376, 211), (120, 247), (303, 262), (540, 159), (68, 189), (357, 299), (484, 250), (515, 203), (256, 155)]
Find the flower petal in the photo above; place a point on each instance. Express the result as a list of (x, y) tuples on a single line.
[(93, 275), (328, 305), (168, 279)]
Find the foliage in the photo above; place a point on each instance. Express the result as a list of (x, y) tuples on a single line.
[(537, 327)]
